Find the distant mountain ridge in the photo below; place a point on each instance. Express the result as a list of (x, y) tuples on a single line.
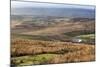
[(59, 12)]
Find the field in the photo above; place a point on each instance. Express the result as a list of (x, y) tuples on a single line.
[(56, 40), (90, 36), (36, 41), (34, 52)]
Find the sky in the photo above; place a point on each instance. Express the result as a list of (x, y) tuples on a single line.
[(84, 2), (20, 4)]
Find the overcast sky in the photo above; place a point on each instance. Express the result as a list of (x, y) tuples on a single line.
[(20, 4), (84, 2)]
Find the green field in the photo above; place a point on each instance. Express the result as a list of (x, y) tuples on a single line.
[(88, 36), (30, 60)]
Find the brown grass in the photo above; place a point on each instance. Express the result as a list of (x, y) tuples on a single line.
[(63, 52)]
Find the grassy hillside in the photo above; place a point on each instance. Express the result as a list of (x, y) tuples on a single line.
[(53, 29), (35, 52), (48, 41)]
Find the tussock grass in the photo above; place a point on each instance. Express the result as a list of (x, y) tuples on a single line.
[(27, 52)]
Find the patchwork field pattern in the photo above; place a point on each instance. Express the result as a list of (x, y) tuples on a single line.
[(52, 34)]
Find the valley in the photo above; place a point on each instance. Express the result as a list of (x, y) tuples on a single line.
[(47, 33)]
